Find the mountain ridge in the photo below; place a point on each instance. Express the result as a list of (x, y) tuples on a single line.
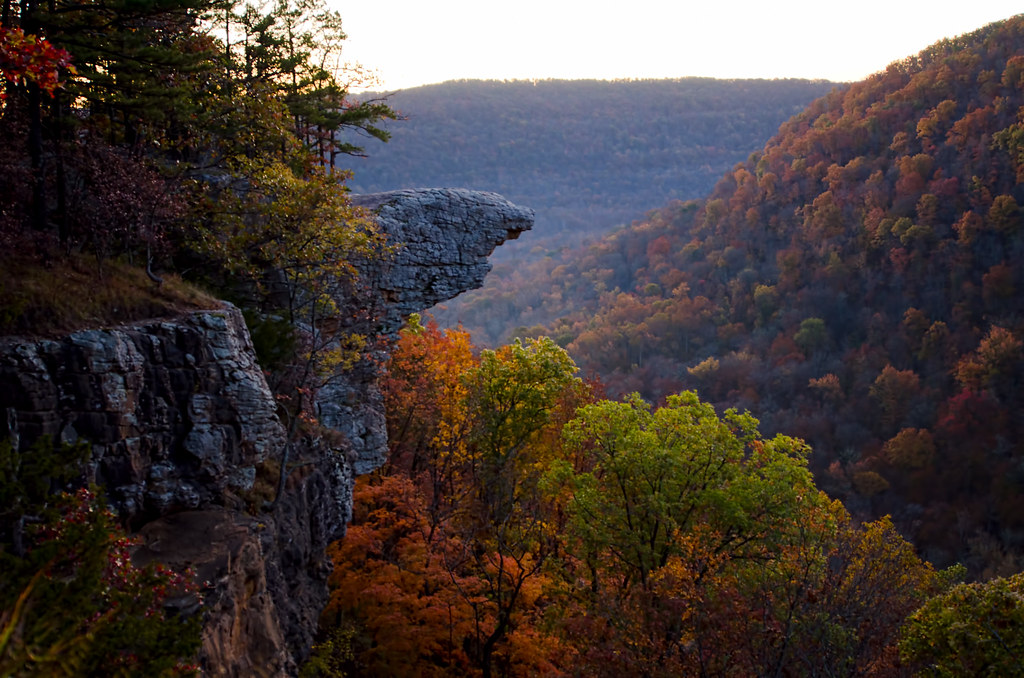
[(560, 147)]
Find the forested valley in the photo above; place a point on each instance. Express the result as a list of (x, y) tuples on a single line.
[(588, 156), (770, 428), (853, 284)]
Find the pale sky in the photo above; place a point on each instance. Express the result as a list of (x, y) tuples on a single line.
[(416, 42)]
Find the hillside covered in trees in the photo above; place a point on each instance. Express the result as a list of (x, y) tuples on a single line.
[(856, 283), (586, 155), (561, 146)]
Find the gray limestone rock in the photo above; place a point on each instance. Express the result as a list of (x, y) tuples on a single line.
[(181, 425), (444, 236), (178, 414)]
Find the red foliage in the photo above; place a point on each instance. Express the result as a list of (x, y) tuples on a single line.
[(28, 59), (967, 416)]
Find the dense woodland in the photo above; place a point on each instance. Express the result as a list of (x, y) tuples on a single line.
[(857, 284), (525, 526), (562, 146), (854, 285), (587, 156)]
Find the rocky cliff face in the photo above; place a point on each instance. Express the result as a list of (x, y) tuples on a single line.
[(185, 435), (178, 413), (443, 239), (181, 423)]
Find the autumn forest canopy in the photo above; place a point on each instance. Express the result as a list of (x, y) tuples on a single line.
[(525, 526), (770, 430), (585, 155), (857, 284), (853, 283)]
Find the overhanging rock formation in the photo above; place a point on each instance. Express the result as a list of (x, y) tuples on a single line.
[(444, 237), (183, 428)]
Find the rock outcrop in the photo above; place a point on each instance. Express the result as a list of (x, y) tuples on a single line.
[(444, 239), (185, 437), (178, 413), (181, 425)]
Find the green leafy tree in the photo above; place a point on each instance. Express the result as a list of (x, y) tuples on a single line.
[(812, 335), (443, 570), (694, 546), (658, 475), (284, 244), (516, 393), (971, 630)]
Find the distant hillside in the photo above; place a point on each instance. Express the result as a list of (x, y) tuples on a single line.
[(857, 283), (586, 155)]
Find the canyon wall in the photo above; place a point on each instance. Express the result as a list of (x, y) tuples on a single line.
[(186, 440)]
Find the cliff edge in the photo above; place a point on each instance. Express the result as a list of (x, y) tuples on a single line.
[(185, 435)]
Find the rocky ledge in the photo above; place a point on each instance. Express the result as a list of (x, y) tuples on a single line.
[(184, 431), (444, 237)]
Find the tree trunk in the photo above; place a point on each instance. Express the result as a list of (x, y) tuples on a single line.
[(35, 153), (63, 227)]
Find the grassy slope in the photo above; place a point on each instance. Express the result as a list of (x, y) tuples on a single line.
[(75, 293)]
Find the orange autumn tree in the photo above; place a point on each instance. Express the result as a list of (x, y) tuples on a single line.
[(27, 58), (443, 568), (404, 609), (425, 398), (398, 606)]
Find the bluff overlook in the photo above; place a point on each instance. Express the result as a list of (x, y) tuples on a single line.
[(182, 428)]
